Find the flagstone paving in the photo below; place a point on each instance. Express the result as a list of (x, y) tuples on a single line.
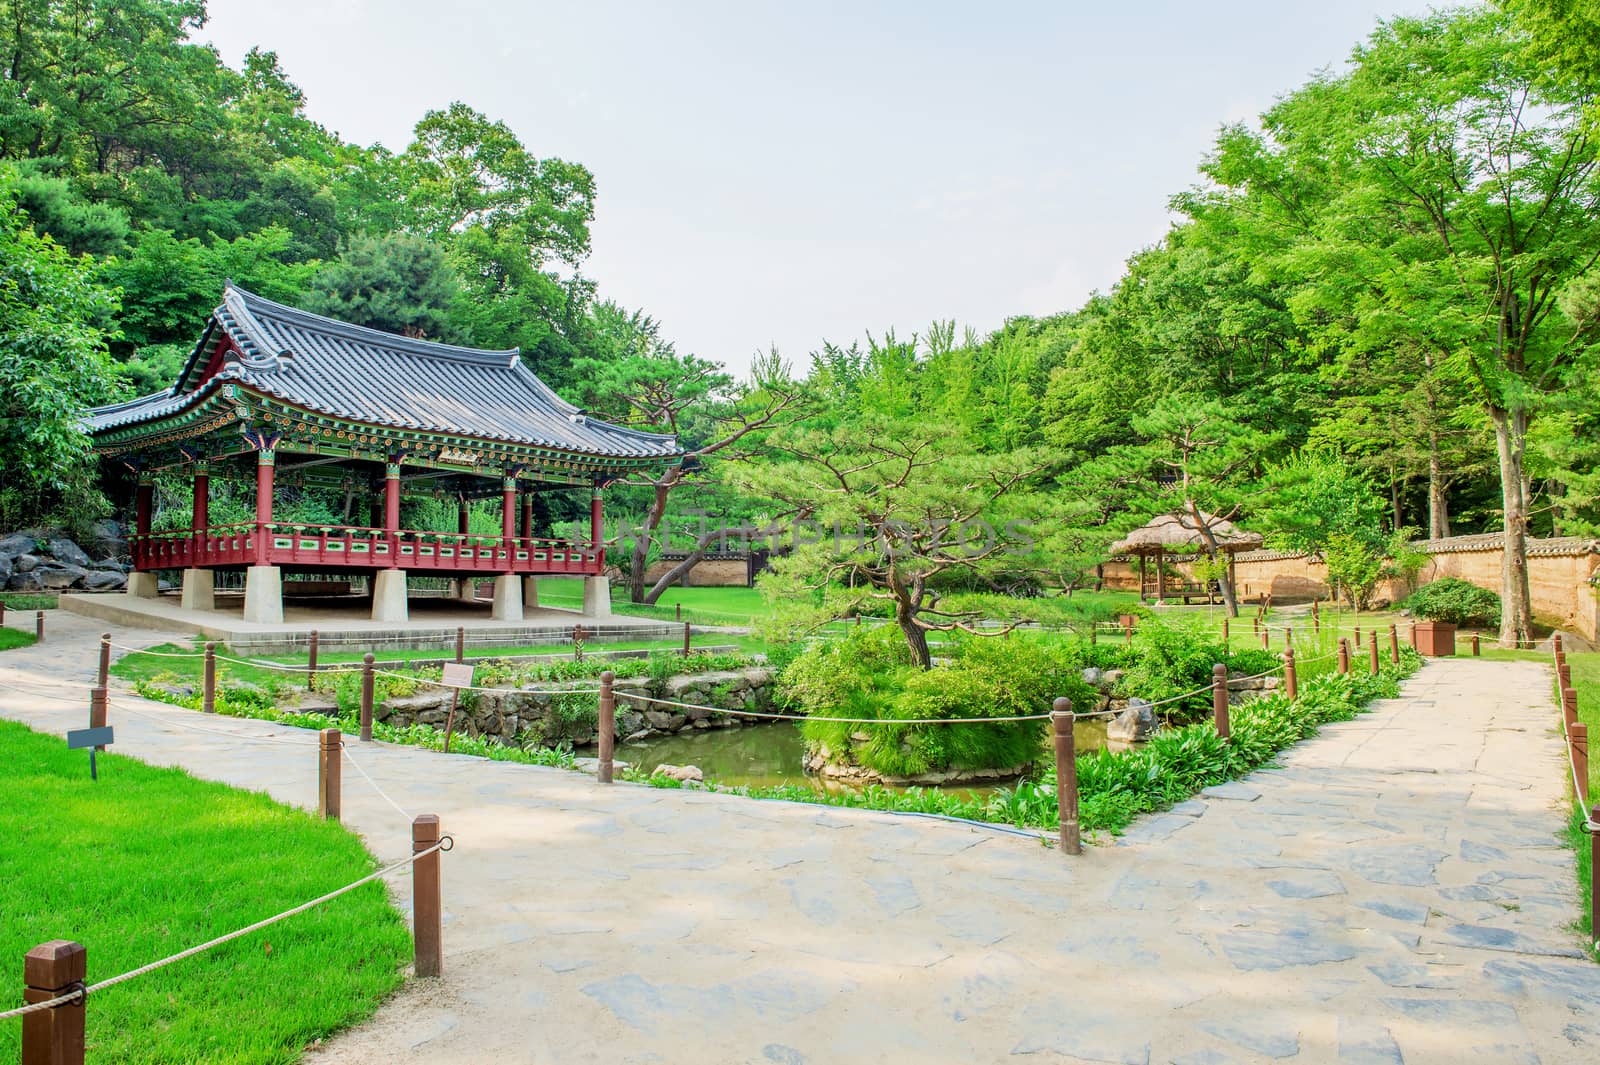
[(1394, 891)]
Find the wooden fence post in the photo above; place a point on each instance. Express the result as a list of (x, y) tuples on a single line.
[(53, 1036), (1219, 700), (38, 626), (426, 907), (100, 694), (367, 683), (1372, 644), (1291, 684), (311, 665), (1594, 876), (1569, 705), (1266, 639), (686, 639), (1224, 629), (1474, 645), (1066, 776), (1555, 643), (1344, 656), (1394, 643), (1358, 637), (1578, 733), (208, 696), (1288, 636), (329, 767), (461, 643), (608, 726), (679, 608), (1413, 635), (2, 611)]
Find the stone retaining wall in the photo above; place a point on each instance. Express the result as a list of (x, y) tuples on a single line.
[(513, 716)]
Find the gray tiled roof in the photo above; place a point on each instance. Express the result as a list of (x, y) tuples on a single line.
[(366, 375)]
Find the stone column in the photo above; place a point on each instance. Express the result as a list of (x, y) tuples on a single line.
[(597, 597), (389, 596)]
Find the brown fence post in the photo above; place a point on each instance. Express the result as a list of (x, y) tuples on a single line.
[(1555, 643), (1394, 643), (686, 639), (367, 683), (1594, 875), (1358, 637), (461, 643), (679, 608), (1569, 705), (426, 907), (38, 626), (1266, 639), (1219, 700), (1288, 636), (99, 695), (1474, 645), (1578, 733), (1372, 644), (1291, 684), (1224, 629), (311, 664), (1564, 671), (1413, 635), (2, 611), (208, 697), (1344, 656), (329, 768), (1066, 776), (608, 726), (53, 1036)]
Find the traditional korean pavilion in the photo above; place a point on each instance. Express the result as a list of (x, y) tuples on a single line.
[(284, 397)]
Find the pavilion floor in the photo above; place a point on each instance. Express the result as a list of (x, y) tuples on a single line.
[(343, 623)]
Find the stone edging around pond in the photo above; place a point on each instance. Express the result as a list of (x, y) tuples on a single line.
[(513, 716)]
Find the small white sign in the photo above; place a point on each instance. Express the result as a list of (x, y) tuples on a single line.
[(458, 675)]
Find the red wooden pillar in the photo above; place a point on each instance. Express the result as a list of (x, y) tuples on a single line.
[(527, 518), (463, 518), (142, 497), (597, 528), (202, 510), (266, 464), (508, 520), (391, 509)]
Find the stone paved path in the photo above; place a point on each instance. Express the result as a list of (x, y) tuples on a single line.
[(1393, 892)]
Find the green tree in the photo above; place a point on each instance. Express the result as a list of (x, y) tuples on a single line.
[(397, 283), (53, 364)]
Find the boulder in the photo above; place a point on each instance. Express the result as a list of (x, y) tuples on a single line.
[(5, 569), (679, 772), (106, 538), (111, 565), (1094, 677), (59, 577), (100, 580), (18, 544), (25, 582), (1133, 725), (67, 551), (26, 562), (1114, 677), (660, 720)]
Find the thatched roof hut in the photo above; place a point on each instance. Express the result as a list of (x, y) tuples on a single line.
[(1180, 534)]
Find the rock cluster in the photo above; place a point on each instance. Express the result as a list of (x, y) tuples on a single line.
[(46, 560), (547, 714)]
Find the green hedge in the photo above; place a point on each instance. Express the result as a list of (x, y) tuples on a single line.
[(1457, 602)]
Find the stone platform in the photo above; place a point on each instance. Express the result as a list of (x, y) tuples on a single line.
[(344, 623)]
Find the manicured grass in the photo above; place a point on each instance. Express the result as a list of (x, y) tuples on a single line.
[(707, 606), (10, 638), (146, 862), (28, 601)]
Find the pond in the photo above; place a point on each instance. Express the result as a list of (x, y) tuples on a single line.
[(768, 755)]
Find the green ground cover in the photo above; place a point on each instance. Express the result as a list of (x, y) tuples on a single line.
[(10, 638), (28, 601), (148, 861), (703, 606)]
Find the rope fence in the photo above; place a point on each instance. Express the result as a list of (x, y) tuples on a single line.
[(1576, 734)]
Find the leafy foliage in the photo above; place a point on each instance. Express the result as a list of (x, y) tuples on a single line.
[(1455, 601)]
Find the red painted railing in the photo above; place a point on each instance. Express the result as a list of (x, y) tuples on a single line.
[(333, 547)]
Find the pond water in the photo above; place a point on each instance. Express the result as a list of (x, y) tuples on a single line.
[(767, 755)]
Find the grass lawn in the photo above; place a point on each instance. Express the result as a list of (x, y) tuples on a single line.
[(10, 638), (706, 606), (148, 861), (28, 600)]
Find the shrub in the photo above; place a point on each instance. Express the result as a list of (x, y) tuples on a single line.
[(1457, 602), (1168, 661)]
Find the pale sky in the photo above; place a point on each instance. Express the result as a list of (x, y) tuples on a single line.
[(774, 173)]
